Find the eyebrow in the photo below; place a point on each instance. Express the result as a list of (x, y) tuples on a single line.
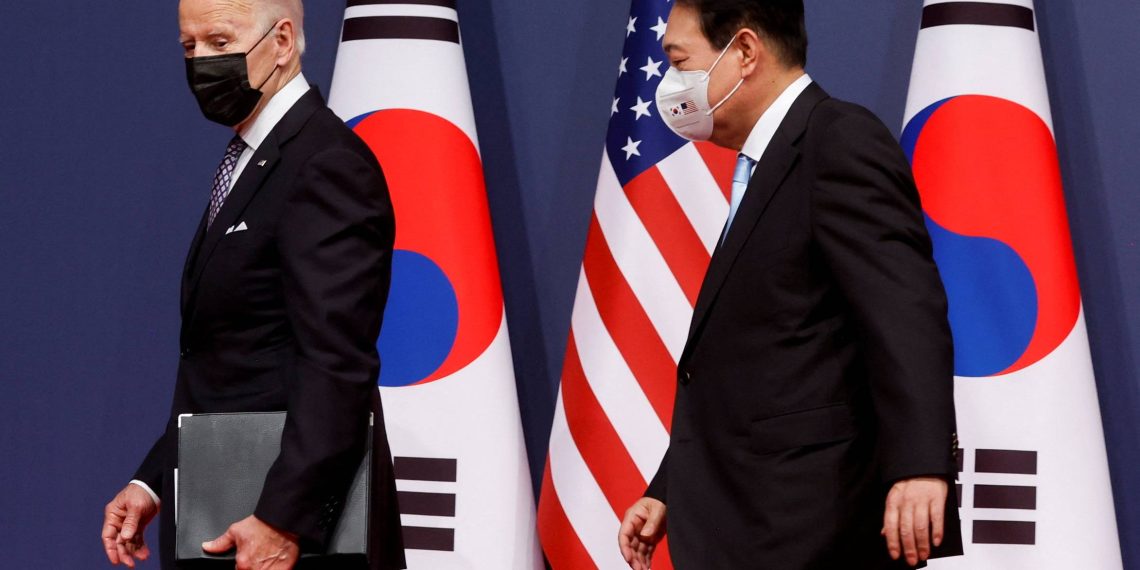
[(214, 33)]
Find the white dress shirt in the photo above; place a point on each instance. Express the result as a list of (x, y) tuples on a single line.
[(766, 127), (254, 133)]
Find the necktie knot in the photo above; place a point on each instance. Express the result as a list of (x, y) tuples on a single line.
[(235, 148), (743, 170)]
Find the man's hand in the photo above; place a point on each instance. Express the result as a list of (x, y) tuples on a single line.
[(259, 546), (641, 530), (913, 521), (124, 520)]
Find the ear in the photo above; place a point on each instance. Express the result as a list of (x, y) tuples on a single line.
[(753, 52), (285, 41)]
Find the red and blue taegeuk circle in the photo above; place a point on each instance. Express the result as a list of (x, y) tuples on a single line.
[(445, 306), (991, 189)]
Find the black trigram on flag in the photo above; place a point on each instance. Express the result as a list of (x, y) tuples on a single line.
[(433, 500), (409, 27), (982, 491)]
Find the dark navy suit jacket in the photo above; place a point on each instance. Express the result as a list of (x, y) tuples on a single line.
[(819, 364), (285, 316)]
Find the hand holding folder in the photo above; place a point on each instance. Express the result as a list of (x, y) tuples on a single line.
[(222, 463)]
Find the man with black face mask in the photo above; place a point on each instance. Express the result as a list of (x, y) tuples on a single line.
[(282, 298)]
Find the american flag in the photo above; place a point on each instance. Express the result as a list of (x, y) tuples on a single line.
[(661, 204), (685, 108)]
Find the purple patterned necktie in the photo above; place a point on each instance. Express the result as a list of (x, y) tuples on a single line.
[(223, 177)]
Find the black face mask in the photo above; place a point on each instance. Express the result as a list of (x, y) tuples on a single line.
[(221, 85)]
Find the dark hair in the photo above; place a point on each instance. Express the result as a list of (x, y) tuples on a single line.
[(780, 22)]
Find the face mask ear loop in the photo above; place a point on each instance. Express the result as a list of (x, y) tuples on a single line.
[(721, 56), (263, 36), (275, 66), (271, 74), (708, 74), (726, 98)]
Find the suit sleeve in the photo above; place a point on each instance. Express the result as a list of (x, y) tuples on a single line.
[(164, 451), (335, 242), (150, 471), (656, 489), (869, 226)]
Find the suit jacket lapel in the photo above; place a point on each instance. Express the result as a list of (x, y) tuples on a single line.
[(770, 173), (195, 245), (252, 178), (243, 191)]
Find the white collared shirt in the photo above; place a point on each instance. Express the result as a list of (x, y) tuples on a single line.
[(766, 127), (254, 133)]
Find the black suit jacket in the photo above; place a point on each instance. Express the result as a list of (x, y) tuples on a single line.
[(285, 316), (819, 364)]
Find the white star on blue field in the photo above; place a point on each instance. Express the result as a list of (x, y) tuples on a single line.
[(637, 138)]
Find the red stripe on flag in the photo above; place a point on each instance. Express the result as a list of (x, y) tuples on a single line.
[(721, 162), (559, 541), (601, 447), (670, 229), (662, 560), (629, 326)]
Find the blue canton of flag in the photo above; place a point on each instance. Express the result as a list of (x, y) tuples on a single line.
[(637, 138)]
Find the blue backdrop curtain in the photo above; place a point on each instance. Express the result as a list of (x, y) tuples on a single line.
[(105, 166)]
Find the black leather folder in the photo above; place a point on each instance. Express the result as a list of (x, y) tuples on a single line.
[(222, 463)]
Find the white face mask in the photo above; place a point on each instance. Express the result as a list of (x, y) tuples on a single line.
[(683, 100)]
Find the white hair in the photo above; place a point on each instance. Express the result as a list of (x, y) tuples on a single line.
[(270, 12)]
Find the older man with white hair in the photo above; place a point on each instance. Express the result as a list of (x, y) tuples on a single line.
[(282, 299)]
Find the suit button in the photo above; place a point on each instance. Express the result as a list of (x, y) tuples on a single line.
[(686, 376), (185, 353)]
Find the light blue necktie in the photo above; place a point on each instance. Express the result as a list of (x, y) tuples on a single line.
[(740, 179)]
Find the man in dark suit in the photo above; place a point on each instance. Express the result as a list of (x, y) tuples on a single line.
[(814, 413), (282, 297)]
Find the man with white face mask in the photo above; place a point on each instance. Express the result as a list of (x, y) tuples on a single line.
[(814, 419)]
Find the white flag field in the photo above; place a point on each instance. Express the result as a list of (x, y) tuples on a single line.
[(1035, 489), (447, 381)]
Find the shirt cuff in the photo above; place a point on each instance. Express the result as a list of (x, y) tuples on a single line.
[(149, 491)]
